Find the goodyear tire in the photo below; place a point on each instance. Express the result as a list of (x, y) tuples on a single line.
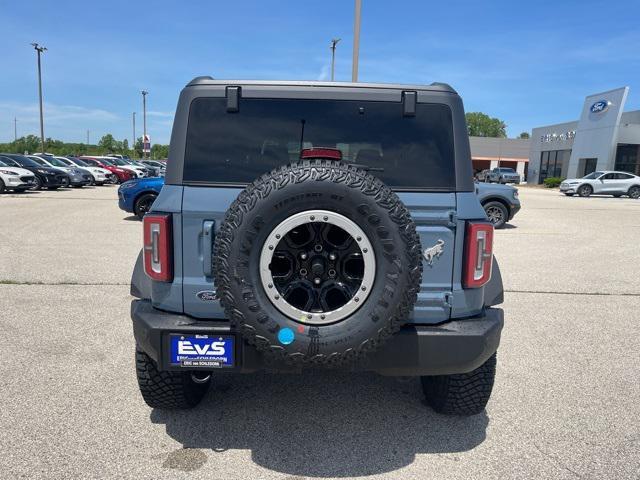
[(294, 262)]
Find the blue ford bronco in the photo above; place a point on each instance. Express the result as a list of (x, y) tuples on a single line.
[(317, 225)]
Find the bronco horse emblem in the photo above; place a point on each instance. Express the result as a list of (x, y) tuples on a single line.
[(430, 254)]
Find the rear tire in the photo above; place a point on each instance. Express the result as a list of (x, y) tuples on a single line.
[(634, 192), (167, 390), (463, 393), (1, 186), (585, 190)]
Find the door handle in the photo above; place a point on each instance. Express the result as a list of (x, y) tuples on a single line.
[(207, 247)]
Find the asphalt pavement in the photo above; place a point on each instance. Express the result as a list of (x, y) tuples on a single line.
[(566, 403)]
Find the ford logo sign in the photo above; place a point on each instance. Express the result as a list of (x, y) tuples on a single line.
[(600, 106)]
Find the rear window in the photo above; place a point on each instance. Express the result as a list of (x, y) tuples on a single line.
[(235, 148)]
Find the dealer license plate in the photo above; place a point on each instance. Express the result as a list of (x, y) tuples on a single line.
[(209, 351)]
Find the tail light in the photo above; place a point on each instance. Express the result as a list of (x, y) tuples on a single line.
[(478, 251), (321, 152), (158, 260)]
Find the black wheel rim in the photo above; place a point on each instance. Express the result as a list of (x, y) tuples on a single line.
[(320, 270)]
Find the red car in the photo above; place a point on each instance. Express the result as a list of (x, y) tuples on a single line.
[(121, 174)]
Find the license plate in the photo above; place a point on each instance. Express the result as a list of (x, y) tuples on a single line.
[(204, 351)]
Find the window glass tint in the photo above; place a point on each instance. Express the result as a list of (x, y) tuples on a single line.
[(593, 175), (39, 161), (236, 148)]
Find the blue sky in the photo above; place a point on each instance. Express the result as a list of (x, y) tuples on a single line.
[(528, 63)]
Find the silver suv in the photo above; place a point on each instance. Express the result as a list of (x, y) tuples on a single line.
[(603, 183)]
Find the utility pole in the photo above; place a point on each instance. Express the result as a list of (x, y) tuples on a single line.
[(334, 42), (15, 129), (133, 144), (144, 121), (356, 41), (87, 137), (39, 49)]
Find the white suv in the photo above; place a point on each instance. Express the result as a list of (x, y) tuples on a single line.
[(603, 183), (14, 178)]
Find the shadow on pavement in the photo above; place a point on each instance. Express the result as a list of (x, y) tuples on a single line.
[(322, 424)]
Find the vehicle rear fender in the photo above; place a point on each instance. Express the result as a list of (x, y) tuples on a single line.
[(140, 282)]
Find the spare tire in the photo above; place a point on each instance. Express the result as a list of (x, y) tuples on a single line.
[(317, 263)]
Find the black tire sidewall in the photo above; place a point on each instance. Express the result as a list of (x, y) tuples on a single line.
[(136, 205), (376, 318)]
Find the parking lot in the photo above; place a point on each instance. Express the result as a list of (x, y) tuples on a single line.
[(566, 401)]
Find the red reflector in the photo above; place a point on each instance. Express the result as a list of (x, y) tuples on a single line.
[(158, 260), (478, 254), (328, 153)]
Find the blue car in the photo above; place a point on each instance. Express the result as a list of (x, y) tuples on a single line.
[(137, 196)]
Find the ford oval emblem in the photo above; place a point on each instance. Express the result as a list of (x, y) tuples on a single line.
[(600, 106), (207, 296)]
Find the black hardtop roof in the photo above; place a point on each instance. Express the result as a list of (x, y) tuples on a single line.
[(433, 87)]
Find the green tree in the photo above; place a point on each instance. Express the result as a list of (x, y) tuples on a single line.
[(482, 125), (108, 143), (524, 135), (137, 148), (159, 151)]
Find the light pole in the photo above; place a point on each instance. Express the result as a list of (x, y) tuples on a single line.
[(133, 144), (39, 49), (87, 138), (15, 129), (144, 122), (356, 41), (334, 42)]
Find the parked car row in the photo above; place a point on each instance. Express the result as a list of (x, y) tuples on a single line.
[(44, 170)]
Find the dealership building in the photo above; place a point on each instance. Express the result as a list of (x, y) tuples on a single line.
[(604, 138), (489, 153)]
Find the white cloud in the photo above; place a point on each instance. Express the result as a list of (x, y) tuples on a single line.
[(155, 113), (55, 114), (324, 73)]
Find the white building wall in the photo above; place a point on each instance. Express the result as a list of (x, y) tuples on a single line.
[(597, 132)]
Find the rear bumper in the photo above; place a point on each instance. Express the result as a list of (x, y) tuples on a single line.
[(457, 346)]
